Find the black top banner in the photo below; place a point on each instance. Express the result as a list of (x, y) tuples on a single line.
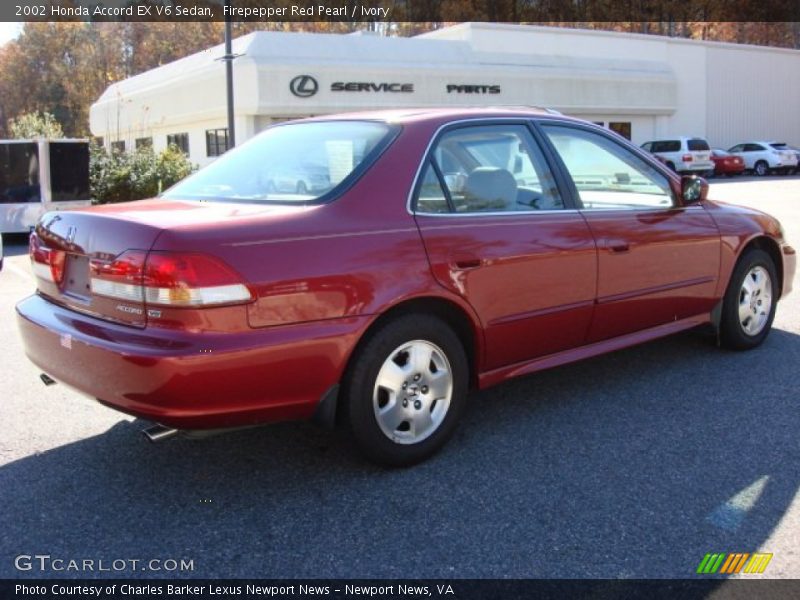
[(513, 11)]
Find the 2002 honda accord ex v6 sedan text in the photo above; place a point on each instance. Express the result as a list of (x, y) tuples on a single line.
[(447, 250)]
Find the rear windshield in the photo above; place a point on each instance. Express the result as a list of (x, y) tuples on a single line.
[(697, 145), (292, 163)]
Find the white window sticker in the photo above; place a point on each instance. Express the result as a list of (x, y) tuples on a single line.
[(340, 159)]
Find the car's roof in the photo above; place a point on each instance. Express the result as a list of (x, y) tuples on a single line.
[(408, 115), (677, 138)]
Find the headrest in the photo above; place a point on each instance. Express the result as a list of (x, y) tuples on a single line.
[(495, 187)]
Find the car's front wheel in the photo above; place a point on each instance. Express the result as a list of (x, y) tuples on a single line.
[(406, 390), (748, 308)]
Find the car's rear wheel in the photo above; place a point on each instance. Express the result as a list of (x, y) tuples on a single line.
[(671, 165), (406, 390), (748, 308), (761, 168)]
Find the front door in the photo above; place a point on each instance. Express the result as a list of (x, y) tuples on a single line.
[(658, 261)]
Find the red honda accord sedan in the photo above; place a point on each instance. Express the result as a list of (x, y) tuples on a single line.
[(438, 251)]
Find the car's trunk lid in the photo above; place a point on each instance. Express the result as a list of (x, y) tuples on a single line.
[(83, 242), (104, 245)]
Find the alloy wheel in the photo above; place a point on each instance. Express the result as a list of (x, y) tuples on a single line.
[(755, 300), (412, 392)]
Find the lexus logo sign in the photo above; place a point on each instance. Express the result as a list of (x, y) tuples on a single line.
[(303, 86)]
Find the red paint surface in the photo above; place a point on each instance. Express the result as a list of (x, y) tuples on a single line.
[(538, 290)]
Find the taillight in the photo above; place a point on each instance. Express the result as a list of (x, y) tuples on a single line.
[(48, 264), (120, 277), (687, 158), (168, 279)]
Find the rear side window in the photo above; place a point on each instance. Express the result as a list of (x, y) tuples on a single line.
[(666, 146), (487, 169), (431, 197), (698, 145), (290, 164)]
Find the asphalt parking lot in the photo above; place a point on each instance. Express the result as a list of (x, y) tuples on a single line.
[(633, 464)]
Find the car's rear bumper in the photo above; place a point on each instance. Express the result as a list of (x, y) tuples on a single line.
[(696, 166), (190, 380), (732, 168), (783, 163)]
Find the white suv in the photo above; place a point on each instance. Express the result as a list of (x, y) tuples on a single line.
[(683, 154), (763, 157)]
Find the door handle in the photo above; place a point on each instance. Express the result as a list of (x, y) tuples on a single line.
[(617, 246), (464, 264)]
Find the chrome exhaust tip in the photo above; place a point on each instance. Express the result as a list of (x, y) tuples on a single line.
[(46, 379), (159, 433)]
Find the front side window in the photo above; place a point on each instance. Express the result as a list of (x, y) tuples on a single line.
[(487, 169), (607, 175), (292, 163)]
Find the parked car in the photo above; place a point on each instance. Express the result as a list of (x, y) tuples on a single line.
[(765, 157), (683, 154), (299, 179), (794, 149), (726, 163), (427, 270)]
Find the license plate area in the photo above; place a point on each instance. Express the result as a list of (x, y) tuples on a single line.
[(76, 278)]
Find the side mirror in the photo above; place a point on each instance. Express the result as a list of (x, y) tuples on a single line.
[(694, 189)]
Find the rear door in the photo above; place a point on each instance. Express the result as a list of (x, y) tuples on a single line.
[(657, 261), (499, 233)]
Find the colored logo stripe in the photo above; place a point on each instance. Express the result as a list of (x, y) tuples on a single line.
[(758, 563), (710, 563), (733, 563)]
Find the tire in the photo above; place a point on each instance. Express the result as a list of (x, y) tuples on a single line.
[(394, 418), (671, 166), (748, 307), (761, 168)]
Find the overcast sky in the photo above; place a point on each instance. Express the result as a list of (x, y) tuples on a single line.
[(8, 31)]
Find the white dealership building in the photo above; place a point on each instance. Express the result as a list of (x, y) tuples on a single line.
[(643, 86)]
